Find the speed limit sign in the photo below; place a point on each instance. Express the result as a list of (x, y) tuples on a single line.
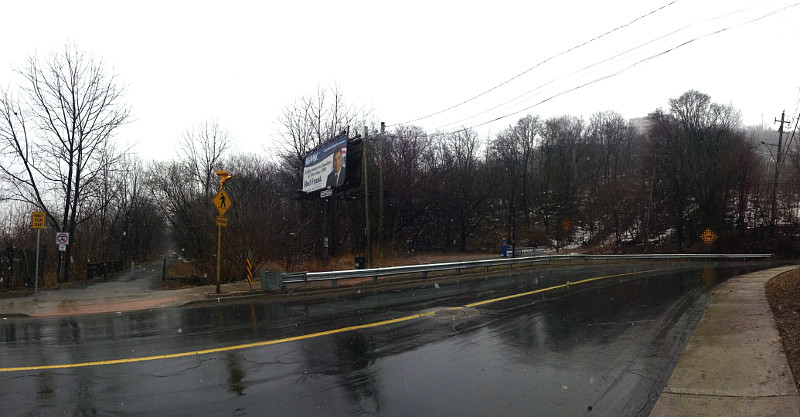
[(62, 238)]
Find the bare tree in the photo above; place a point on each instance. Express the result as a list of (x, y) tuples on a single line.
[(561, 144), (467, 193), (56, 137), (201, 149), (507, 154), (610, 159), (310, 122), (693, 145), (407, 148)]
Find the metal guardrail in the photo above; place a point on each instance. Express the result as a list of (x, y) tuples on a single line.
[(375, 273)]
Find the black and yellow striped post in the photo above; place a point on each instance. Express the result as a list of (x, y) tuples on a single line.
[(250, 268)]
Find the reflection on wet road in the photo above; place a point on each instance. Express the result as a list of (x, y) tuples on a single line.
[(599, 348)]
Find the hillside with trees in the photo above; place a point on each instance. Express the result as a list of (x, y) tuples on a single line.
[(602, 184)]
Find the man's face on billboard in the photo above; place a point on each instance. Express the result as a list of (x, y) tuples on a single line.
[(337, 161)]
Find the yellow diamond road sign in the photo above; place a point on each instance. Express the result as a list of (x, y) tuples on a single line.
[(708, 237), (222, 202)]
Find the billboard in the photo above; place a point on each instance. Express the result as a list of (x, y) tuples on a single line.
[(326, 167)]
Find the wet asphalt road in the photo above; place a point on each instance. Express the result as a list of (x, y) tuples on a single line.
[(604, 348)]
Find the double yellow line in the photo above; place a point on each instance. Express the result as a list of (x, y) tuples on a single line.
[(306, 336)]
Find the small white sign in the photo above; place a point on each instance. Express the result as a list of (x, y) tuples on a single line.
[(62, 247)]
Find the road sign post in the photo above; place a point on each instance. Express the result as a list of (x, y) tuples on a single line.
[(219, 253), (222, 202), (38, 222), (62, 239)]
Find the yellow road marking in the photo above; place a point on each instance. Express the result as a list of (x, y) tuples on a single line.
[(541, 290), (217, 350), (306, 336)]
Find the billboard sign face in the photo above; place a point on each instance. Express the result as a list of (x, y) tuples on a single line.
[(325, 167)]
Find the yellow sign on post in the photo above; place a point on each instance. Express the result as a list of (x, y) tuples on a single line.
[(37, 220), (708, 237), (222, 202)]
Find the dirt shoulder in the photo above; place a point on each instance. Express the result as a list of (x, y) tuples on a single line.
[(783, 293)]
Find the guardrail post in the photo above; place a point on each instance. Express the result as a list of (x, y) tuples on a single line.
[(485, 269), (375, 279), (458, 271), (333, 283), (424, 274)]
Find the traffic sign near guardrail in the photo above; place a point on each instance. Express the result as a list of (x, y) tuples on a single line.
[(708, 236)]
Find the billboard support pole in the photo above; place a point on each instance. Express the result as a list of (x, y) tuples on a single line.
[(325, 231), (366, 198), (381, 237)]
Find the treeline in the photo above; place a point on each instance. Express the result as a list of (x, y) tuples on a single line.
[(604, 184)]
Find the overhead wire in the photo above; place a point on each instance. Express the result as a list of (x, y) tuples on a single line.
[(611, 58), (625, 69), (538, 65)]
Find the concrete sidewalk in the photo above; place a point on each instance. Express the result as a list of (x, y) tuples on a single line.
[(124, 291), (734, 364)]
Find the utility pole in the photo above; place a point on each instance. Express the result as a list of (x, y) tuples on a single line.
[(381, 237), (366, 197), (778, 163)]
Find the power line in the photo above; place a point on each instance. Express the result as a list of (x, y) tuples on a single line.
[(797, 105), (635, 64), (539, 64), (621, 54)]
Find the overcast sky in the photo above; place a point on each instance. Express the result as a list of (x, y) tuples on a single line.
[(241, 63)]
